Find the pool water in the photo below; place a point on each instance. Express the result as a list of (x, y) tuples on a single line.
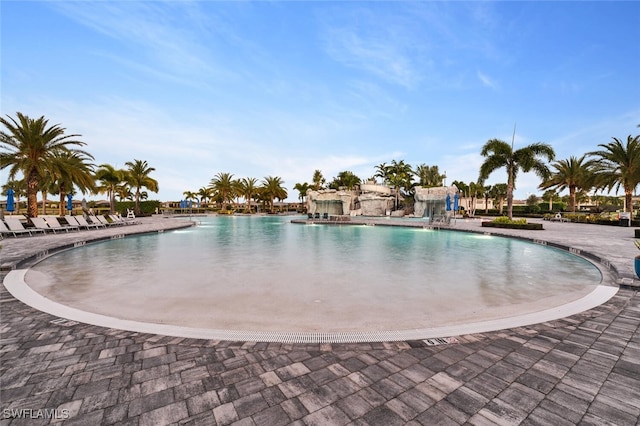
[(265, 273)]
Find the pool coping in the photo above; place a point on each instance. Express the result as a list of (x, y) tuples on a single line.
[(16, 285)]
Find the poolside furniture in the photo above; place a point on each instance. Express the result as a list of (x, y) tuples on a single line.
[(558, 218), (5, 230), (119, 219), (309, 215), (14, 224), (40, 223), (55, 224), (71, 220), (325, 216), (83, 222), (101, 220), (316, 215)]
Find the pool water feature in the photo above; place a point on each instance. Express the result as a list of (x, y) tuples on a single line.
[(267, 275)]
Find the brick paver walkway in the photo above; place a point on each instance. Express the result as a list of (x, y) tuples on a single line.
[(584, 369)]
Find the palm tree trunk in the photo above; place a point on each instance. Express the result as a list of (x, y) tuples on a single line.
[(572, 199), (628, 194), (32, 194)]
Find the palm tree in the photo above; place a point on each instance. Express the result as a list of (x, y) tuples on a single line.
[(222, 185), (248, 188), (618, 165), (500, 154), (190, 195), (302, 189), (498, 192), (574, 174), (318, 180), (345, 179), (28, 147), (109, 178), (138, 177), (429, 176), (205, 194), (399, 176), (475, 190), (273, 189), (551, 195), (69, 170)]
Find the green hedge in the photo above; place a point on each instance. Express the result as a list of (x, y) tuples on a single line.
[(529, 226), (147, 207)]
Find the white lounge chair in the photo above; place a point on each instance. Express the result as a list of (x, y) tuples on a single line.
[(71, 220), (99, 220), (5, 230), (14, 224), (41, 224), (105, 222), (119, 219), (55, 224), (83, 222)]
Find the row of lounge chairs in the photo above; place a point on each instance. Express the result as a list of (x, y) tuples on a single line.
[(316, 215), (12, 225)]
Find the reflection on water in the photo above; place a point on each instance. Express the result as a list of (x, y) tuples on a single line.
[(287, 271)]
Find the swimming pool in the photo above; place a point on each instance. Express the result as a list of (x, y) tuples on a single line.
[(266, 275)]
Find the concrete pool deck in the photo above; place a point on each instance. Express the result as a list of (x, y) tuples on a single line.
[(581, 369)]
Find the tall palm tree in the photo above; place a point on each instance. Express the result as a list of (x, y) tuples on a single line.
[(318, 180), (475, 190), (618, 165), (222, 185), (190, 195), (69, 170), (550, 195), (205, 194), (429, 176), (109, 178), (399, 176), (345, 179), (498, 192), (575, 174), (138, 177), (27, 148), (273, 189), (248, 188), (500, 154), (302, 189)]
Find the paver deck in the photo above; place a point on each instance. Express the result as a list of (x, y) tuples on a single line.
[(584, 369)]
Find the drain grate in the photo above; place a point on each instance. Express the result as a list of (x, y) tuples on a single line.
[(440, 341)]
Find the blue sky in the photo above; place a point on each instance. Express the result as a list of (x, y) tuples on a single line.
[(284, 88)]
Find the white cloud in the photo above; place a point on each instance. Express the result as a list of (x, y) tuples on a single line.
[(487, 81)]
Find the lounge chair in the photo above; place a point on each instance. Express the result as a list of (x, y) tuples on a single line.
[(325, 216), (309, 215), (83, 222), (71, 220), (41, 224), (120, 220), (106, 221), (101, 220), (14, 224), (5, 230), (55, 224), (316, 215)]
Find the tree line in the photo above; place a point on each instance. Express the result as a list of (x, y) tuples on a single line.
[(41, 158), (50, 162)]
